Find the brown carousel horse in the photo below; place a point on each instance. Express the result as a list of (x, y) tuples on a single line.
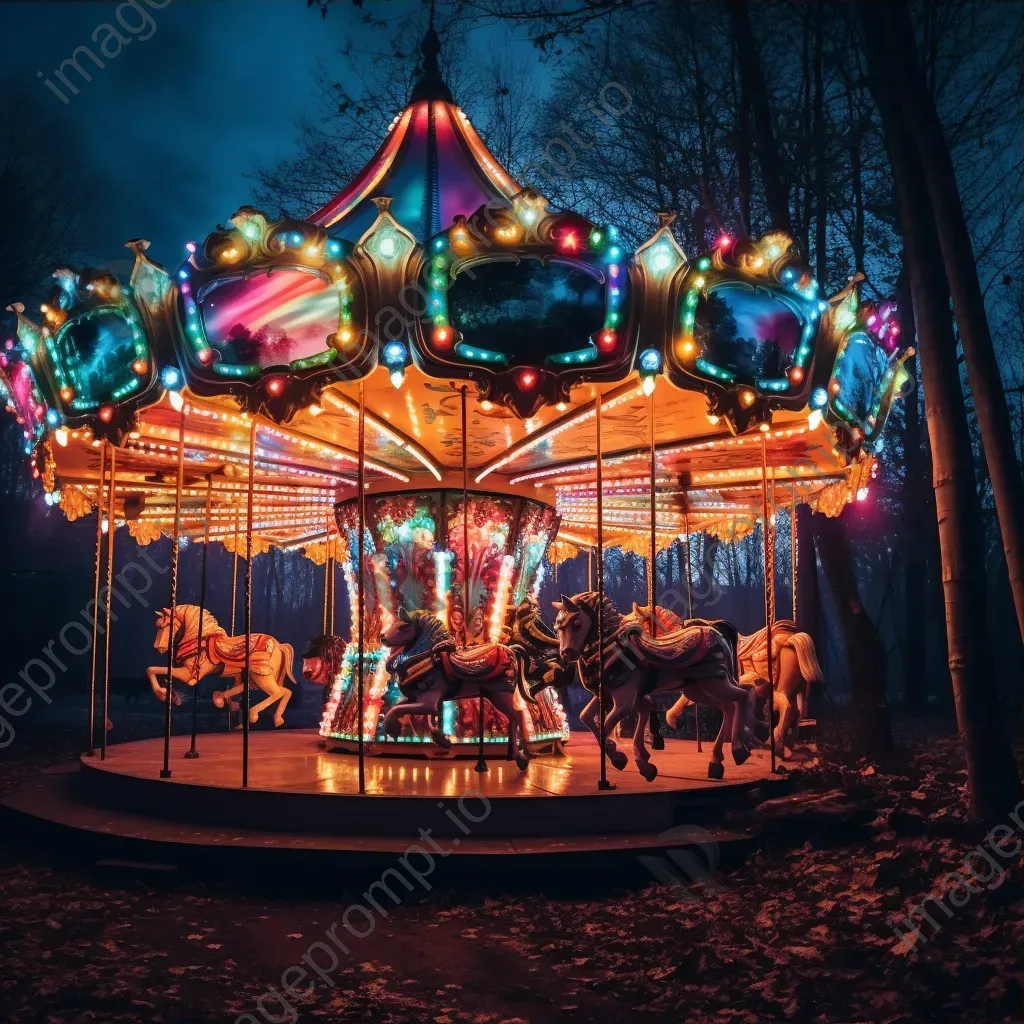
[(699, 659), (430, 671), (795, 669), (216, 653)]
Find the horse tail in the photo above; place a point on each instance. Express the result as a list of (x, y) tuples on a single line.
[(807, 657), (521, 683), (287, 660)]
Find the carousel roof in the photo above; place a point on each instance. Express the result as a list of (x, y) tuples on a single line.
[(258, 350), (432, 166)]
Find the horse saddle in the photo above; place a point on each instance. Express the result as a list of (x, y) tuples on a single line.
[(481, 663), (678, 649)]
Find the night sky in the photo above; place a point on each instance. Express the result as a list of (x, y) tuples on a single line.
[(174, 124)]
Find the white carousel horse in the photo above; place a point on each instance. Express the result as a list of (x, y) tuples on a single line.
[(216, 653), (795, 669), (699, 659), (430, 670)]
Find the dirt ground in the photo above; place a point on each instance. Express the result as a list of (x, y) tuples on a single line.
[(797, 933)]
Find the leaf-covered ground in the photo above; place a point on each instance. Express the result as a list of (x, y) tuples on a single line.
[(798, 933)]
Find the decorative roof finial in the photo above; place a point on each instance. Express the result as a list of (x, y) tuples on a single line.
[(430, 85)]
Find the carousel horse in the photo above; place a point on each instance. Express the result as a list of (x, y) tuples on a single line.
[(699, 659), (795, 670), (216, 653), (430, 670), (531, 636), (322, 662)]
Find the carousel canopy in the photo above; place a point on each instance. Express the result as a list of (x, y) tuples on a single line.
[(432, 274)]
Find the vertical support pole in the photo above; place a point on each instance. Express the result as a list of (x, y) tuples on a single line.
[(91, 751), (191, 754), (769, 591), (652, 586), (590, 569), (234, 590), (362, 576), (793, 547), (481, 761), (111, 529), (602, 782), (327, 568), (689, 602), (172, 628), (248, 604)]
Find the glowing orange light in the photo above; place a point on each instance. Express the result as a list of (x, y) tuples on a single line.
[(275, 385), (747, 397), (442, 335), (796, 375), (834, 387), (688, 348), (106, 413), (346, 334), (527, 379), (607, 339), (67, 394), (140, 366), (570, 242)]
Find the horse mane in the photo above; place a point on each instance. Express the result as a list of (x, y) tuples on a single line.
[(188, 616), (612, 617), (430, 631)]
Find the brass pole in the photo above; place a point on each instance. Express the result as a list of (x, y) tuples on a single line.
[(602, 782), (191, 754), (481, 761), (793, 569), (362, 580), (689, 602), (652, 586), (91, 752), (248, 605), (769, 586), (165, 772), (111, 529), (234, 590), (327, 566)]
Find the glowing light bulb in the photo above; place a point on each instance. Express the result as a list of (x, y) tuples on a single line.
[(397, 378), (648, 385), (814, 419)]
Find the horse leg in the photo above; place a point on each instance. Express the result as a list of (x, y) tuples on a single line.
[(623, 700), (269, 686), (504, 702), (785, 711), (641, 757), (220, 696), (151, 674), (588, 716), (674, 713), (657, 740)]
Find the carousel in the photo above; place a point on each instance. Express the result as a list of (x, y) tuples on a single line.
[(438, 387)]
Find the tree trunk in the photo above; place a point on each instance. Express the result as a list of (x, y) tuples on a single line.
[(872, 735), (921, 121), (992, 773)]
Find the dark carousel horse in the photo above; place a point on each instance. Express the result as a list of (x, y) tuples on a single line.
[(530, 635), (699, 659), (430, 671)]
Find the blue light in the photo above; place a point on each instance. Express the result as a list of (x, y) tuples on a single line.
[(614, 252), (394, 353), (296, 239), (439, 244), (613, 231), (819, 398), (334, 248), (183, 274), (53, 417), (650, 360), (170, 378)]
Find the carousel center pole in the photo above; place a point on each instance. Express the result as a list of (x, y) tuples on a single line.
[(362, 581), (769, 591), (110, 589), (91, 751), (481, 761), (191, 754), (172, 627), (602, 782), (248, 605)]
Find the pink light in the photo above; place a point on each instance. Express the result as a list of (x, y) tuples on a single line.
[(724, 241), (190, 246), (569, 241), (527, 379)]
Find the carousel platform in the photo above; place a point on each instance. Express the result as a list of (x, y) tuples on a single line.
[(301, 802)]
